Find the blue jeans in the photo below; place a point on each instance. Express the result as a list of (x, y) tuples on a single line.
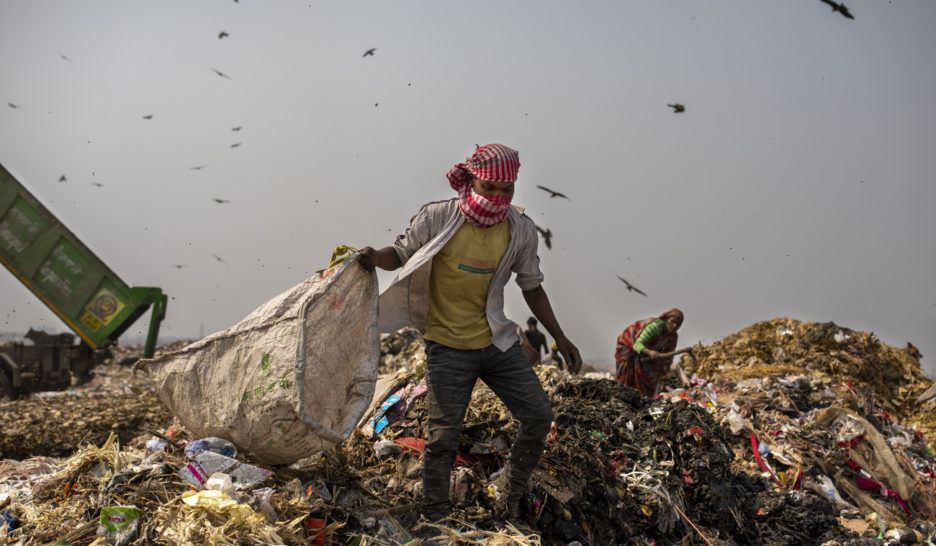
[(451, 375)]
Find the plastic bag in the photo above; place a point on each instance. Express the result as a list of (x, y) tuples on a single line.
[(219, 502), (207, 463), (8, 523), (119, 524), (291, 379), (828, 488)]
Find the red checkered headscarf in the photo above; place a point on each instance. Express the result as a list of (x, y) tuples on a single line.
[(493, 163)]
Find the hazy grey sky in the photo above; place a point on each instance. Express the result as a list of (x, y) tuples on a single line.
[(799, 181)]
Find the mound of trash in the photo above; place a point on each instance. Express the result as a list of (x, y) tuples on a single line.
[(787, 433), (822, 351)]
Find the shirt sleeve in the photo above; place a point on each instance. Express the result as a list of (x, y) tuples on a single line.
[(649, 332), (526, 266), (416, 235)]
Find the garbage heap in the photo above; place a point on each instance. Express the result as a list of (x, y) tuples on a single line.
[(786, 455), (836, 408), (824, 352), (618, 469), (404, 349)]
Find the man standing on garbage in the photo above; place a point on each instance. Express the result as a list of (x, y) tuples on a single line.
[(536, 340), (457, 257)]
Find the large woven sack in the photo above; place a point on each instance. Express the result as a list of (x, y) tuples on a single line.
[(289, 380)]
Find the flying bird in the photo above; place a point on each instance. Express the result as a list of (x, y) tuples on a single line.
[(216, 200), (64, 58), (369, 52), (547, 235), (552, 192), (178, 266), (677, 108), (11, 105), (222, 74), (98, 184), (235, 145), (223, 34), (218, 258), (197, 167), (63, 179), (841, 8), (148, 116), (238, 128), (630, 287), (375, 104)]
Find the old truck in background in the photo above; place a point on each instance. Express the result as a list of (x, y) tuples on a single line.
[(76, 285)]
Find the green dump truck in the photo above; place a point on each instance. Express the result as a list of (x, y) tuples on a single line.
[(75, 284)]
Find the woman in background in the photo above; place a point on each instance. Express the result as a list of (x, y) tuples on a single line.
[(637, 355)]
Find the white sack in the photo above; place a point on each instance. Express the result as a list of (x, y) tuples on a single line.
[(288, 381)]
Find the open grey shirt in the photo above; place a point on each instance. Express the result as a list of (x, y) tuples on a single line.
[(406, 301)]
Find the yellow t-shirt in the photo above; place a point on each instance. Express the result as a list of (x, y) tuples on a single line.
[(458, 286)]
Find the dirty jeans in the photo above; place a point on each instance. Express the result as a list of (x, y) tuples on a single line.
[(451, 375)]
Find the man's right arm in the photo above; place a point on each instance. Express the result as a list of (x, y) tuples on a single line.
[(392, 257), (386, 258)]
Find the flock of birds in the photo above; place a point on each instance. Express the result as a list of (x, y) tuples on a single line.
[(546, 234)]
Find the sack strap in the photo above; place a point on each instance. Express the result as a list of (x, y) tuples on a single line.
[(344, 251)]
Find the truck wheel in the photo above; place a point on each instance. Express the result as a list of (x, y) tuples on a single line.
[(6, 389)]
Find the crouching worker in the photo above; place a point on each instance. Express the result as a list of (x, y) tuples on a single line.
[(637, 355), (456, 258)]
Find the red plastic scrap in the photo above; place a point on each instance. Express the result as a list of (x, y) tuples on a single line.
[(868, 484), (418, 445), (316, 528), (761, 463), (853, 442), (697, 430)]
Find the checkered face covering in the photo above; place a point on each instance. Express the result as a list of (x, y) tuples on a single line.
[(494, 163)]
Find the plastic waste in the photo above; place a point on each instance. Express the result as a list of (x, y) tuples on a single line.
[(220, 502), (206, 463), (384, 448), (119, 524), (498, 445), (8, 523), (316, 529), (216, 445), (829, 490), (380, 420), (763, 449), (221, 482), (261, 497), (156, 444), (736, 422)]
